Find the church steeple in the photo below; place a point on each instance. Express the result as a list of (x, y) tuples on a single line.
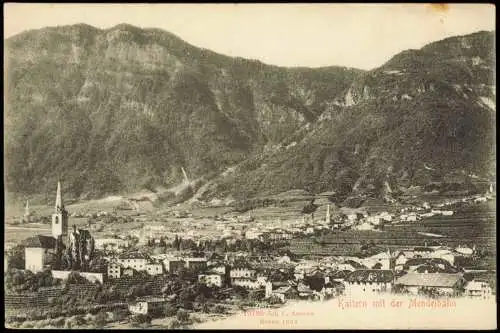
[(60, 216), (59, 202), (27, 209)]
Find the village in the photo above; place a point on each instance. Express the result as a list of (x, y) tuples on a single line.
[(242, 264)]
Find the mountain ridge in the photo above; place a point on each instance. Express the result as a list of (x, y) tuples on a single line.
[(120, 109)]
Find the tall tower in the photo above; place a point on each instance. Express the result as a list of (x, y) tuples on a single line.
[(60, 216), (27, 211), (328, 214)]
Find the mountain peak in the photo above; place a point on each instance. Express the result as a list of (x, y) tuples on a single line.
[(139, 105), (125, 27)]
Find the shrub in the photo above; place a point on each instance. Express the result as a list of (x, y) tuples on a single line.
[(141, 320), (175, 324), (120, 314), (101, 319), (169, 310), (182, 316), (59, 322), (79, 320), (219, 309), (274, 300)]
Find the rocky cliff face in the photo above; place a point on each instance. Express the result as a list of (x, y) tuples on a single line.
[(418, 119), (122, 109), (125, 108)]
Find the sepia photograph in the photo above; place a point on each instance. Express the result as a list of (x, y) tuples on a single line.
[(250, 166)]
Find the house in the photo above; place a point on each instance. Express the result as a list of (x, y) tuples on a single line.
[(369, 281), (252, 234), (411, 217), (346, 267), (401, 258), (352, 217), (114, 270), (444, 254), (284, 293), (414, 264), (154, 268), (304, 291), (444, 283), (338, 276), (464, 250), (196, 263), (173, 265), (39, 252), (281, 291), (332, 288), (382, 258), (284, 259), (478, 289), (364, 226), (423, 251), (386, 216), (135, 260), (128, 271), (146, 305), (114, 244), (249, 283), (219, 269), (211, 279), (375, 220), (242, 272)]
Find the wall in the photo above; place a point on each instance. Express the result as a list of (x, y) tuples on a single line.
[(89, 276), (366, 288), (139, 308), (137, 264), (34, 259)]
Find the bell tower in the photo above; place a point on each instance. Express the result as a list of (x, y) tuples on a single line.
[(60, 216)]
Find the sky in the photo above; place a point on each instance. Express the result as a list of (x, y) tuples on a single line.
[(311, 35)]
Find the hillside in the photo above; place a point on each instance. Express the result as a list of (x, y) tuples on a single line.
[(425, 116), (122, 109)]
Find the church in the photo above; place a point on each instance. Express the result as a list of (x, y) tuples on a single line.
[(50, 251)]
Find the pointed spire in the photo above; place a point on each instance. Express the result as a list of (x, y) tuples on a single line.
[(328, 213), (186, 179), (59, 203)]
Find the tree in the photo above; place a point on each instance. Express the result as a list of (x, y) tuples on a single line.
[(101, 319), (274, 300), (16, 257), (219, 309), (175, 324), (200, 298), (169, 310), (141, 320)]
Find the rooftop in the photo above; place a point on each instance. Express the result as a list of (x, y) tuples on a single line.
[(371, 275), (151, 299), (133, 255), (195, 259), (429, 280), (39, 241)]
